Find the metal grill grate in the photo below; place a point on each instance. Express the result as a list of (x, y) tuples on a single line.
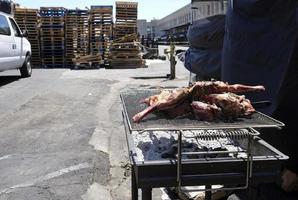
[(159, 121)]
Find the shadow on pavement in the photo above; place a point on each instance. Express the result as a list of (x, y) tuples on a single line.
[(4, 80)]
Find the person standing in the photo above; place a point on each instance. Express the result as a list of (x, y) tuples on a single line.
[(259, 48)]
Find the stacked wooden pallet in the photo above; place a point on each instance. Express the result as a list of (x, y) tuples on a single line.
[(126, 53), (126, 18), (87, 61), (82, 32), (126, 50), (101, 30), (52, 36), (71, 36), (28, 19)]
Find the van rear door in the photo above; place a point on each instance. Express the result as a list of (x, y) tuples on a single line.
[(7, 57)]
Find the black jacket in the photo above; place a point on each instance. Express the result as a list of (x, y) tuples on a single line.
[(259, 48), (259, 40)]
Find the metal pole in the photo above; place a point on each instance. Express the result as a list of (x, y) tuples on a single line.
[(172, 61), (190, 74), (179, 162), (192, 77)]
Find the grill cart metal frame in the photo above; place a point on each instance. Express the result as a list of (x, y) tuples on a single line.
[(191, 172)]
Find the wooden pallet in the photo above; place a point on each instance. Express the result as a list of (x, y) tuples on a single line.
[(71, 35), (52, 34), (126, 19), (125, 53), (101, 28), (83, 32), (88, 61), (29, 20)]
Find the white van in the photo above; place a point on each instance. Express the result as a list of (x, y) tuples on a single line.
[(15, 49)]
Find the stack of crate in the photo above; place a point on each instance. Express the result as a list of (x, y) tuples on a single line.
[(126, 18), (101, 29), (126, 53), (28, 19), (126, 49), (52, 36), (71, 36), (107, 30), (82, 32)]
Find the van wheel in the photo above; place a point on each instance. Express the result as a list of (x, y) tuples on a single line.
[(26, 69)]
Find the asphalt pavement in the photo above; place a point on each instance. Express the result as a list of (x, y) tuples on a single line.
[(62, 136)]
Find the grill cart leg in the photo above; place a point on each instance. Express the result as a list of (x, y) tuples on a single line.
[(252, 192), (134, 187), (208, 194), (146, 193)]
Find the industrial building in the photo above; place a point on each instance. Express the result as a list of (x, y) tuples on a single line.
[(177, 23)]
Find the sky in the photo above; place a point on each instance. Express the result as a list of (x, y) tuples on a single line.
[(148, 9)]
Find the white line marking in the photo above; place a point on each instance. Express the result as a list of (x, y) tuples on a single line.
[(5, 157), (46, 177)]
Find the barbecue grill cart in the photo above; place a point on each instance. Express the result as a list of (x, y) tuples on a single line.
[(249, 162)]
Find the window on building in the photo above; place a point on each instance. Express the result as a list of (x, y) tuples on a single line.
[(208, 10)]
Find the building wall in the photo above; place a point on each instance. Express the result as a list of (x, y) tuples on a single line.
[(180, 19), (153, 29), (142, 27)]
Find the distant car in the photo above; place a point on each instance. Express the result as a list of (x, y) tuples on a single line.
[(15, 49)]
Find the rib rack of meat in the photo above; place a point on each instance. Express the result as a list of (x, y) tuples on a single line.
[(212, 99)]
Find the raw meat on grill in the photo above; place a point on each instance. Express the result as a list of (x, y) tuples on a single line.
[(232, 105), (174, 102), (204, 111), (167, 99), (179, 110)]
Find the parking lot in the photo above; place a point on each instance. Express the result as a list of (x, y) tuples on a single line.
[(62, 135)]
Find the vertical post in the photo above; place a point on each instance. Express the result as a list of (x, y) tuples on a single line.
[(251, 190), (134, 187), (146, 193), (179, 162), (192, 77), (172, 61), (208, 193)]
